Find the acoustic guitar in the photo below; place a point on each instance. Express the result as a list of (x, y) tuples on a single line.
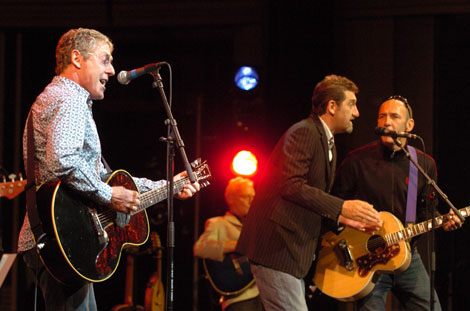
[(155, 293), (129, 288), (83, 240), (231, 276), (349, 263)]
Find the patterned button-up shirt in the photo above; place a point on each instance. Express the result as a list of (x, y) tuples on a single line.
[(67, 146)]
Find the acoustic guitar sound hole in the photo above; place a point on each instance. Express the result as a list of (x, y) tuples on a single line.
[(376, 244)]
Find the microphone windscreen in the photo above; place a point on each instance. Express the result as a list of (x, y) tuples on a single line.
[(380, 130), (122, 78)]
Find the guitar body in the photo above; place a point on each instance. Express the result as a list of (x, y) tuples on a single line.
[(368, 256), (231, 276), (83, 240)]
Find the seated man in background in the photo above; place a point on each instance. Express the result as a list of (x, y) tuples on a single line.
[(220, 237)]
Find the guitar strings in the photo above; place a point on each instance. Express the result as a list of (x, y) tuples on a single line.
[(410, 232), (148, 198)]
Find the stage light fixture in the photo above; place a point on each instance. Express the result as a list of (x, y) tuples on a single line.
[(244, 163), (246, 78)]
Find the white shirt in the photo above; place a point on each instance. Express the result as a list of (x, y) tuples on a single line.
[(329, 138)]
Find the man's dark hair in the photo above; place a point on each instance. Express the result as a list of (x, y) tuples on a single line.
[(332, 87)]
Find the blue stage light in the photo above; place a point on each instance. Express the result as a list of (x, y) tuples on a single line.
[(246, 78)]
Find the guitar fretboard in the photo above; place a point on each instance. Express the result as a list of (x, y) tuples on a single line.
[(158, 194), (423, 227)]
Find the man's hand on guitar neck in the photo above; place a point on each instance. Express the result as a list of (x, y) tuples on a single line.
[(188, 189), (452, 222), (360, 215), (124, 200)]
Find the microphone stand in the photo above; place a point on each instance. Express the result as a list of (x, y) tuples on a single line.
[(431, 182), (173, 137)]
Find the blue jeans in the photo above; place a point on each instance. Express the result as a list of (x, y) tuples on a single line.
[(58, 297), (279, 291), (410, 287)]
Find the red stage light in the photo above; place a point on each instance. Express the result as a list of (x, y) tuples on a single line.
[(244, 163)]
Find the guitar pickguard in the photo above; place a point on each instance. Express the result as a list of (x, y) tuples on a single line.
[(367, 262), (135, 233)]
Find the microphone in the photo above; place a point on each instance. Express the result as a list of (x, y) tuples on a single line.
[(124, 77), (382, 131)]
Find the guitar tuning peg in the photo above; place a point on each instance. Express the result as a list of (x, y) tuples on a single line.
[(197, 162), (12, 177), (21, 176)]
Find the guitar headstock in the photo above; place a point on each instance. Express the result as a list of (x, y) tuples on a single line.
[(201, 172), (156, 243), (12, 188)]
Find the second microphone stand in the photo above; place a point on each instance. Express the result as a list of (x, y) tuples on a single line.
[(431, 182)]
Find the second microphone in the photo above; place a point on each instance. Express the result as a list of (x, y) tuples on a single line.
[(382, 131)]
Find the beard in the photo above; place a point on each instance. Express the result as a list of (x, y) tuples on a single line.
[(349, 128)]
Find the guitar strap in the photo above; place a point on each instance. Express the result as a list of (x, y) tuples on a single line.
[(31, 206), (412, 188)]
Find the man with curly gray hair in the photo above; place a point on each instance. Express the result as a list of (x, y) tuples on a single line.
[(65, 147)]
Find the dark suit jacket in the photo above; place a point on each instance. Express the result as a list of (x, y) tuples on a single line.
[(282, 228)]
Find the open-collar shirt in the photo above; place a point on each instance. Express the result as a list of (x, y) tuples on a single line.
[(67, 146)]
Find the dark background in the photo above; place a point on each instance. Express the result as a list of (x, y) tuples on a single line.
[(418, 49)]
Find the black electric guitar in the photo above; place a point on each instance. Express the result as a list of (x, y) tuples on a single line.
[(231, 276), (83, 241), (349, 263)]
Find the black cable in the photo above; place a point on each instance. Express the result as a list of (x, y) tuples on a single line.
[(36, 283), (39, 245)]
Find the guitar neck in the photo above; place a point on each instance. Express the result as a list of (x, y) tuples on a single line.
[(159, 194), (422, 227)]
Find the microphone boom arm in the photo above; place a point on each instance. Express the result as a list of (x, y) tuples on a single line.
[(172, 122), (430, 181)]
